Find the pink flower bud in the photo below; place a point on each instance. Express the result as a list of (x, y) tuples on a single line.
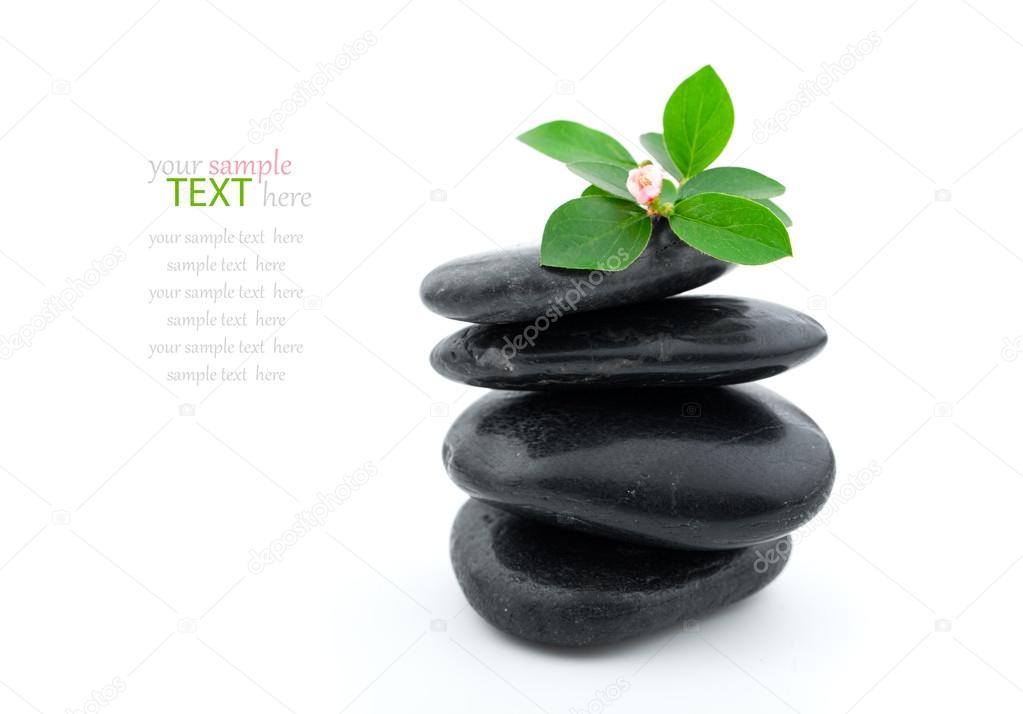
[(644, 183)]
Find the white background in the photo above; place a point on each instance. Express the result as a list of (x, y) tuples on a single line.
[(126, 529)]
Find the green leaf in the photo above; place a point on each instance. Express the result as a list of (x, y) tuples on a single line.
[(592, 190), (594, 233), (610, 177), (730, 228), (776, 210), (698, 121), (734, 181), (568, 141), (669, 192), (654, 144)]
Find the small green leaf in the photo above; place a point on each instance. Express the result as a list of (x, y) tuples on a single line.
[(597, 191), (654, 144), (669, 192), (568, 141), (592, 190), (594, 233), (776, 210), (610, 177), (730, 228), (698, 121), (734, 181)]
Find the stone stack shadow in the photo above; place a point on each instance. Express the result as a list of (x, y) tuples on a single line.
[(620, 480)]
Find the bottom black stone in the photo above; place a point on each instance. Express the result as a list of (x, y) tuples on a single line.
[(560, 587)]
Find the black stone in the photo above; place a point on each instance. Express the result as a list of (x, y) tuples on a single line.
[(693, 340), (559, 587), (511, 286), (707, 468)]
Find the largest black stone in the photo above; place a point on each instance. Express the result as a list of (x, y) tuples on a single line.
[(694, 340), (710, 468), (559, 587), (511, 285)]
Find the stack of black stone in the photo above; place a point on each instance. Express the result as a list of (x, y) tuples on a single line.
[(617, 485)]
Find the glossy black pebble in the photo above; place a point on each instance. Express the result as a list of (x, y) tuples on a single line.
[(512, 286), (694, 340), (559, 587), (710, 468)]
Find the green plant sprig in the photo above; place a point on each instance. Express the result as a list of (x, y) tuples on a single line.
[(725, 212)]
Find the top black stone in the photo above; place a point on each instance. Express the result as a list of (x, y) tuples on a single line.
[(512, 286)]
